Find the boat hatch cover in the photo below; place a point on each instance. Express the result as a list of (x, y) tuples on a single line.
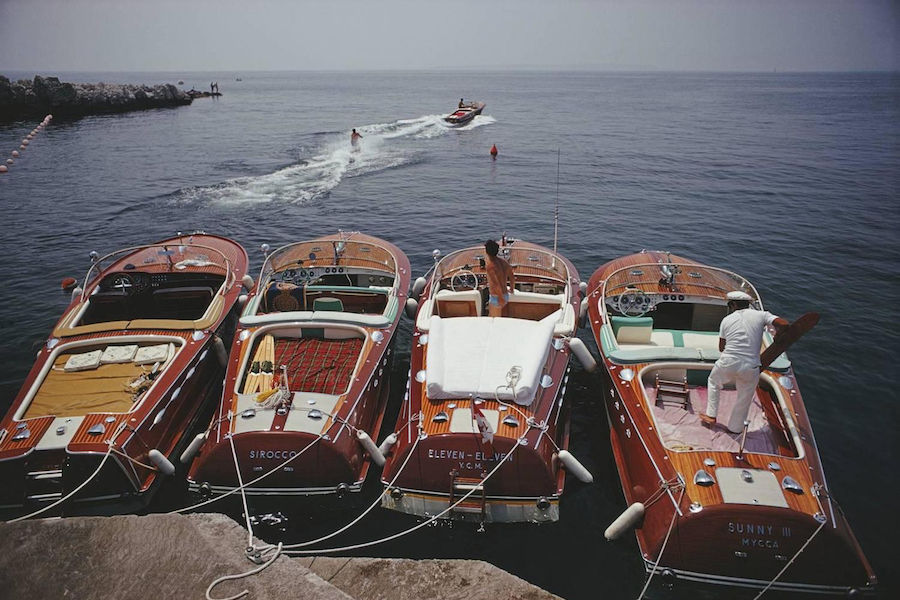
[(750, 486)]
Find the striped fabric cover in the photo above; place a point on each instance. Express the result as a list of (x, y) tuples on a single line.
[(318, 365)]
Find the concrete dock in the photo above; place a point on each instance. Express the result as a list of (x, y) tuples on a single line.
[(179, 556)]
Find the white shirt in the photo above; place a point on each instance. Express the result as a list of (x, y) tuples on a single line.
[(742, 331)]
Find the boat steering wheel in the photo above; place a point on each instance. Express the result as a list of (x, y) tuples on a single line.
[(631, 304), (464, 280), (123, 283)]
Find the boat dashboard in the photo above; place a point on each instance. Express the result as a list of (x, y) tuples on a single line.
[(671, 310), (334, 275), (359, 290), (130, 295)]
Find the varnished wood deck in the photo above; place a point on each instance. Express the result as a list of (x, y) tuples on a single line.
[(622, 273)]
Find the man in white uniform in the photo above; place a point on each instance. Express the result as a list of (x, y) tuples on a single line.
[(740, 341)]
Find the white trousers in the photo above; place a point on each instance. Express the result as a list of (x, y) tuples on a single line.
[(745, 378)]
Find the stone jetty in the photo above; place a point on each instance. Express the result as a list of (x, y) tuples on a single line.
[(48, 95), (179, 556)]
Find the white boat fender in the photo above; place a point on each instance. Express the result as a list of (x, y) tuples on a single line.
[(242, 300), (162, 463), (370, 447), (191, 451), (584, 355), (418, 286), (582, 312), (628, 520), (247, 282), (582, 287), (388, 443), (76, 292), (574, 467), (412, 307), (221, 353)]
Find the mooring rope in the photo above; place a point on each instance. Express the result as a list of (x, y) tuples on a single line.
[(248, 484), (241, 576), (416, 527), (237, 470), (134, 460), (371, 507), (815, 490), (663, 548), (109, 451)]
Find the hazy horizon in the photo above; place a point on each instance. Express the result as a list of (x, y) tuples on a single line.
[(45, 36)]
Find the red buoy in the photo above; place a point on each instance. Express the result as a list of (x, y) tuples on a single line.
[(68, 283), (494, 150)]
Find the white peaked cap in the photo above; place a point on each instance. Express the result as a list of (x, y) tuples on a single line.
[(739, 295)]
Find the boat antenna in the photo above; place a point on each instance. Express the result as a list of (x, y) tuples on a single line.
[(556, 211)]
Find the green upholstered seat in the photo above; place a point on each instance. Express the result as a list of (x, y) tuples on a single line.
[(331, 304)]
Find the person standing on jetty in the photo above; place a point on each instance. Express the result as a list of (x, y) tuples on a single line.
[(740, 338), (499, 273)]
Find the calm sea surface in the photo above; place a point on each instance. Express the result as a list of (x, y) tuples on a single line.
[(788, 179)]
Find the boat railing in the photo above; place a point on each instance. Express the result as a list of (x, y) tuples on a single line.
[(101, 263)]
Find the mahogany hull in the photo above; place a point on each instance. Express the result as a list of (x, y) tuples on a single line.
[(60, 453), (433, 465), (713, 540), (335, 365)]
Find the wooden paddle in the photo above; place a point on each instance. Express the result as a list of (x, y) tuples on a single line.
[(786, 337)]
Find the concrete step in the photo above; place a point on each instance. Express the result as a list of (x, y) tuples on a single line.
[(179, 556), (406, 579), (155, 556)]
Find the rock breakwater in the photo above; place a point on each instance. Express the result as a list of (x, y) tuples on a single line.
[(28, 98)]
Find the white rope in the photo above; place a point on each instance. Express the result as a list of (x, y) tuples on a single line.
[(663, 548), (84, 483), (237, 470), (367, 511), (416, 527), (802, 548), (248, 484), (134, 460), (240, 576)]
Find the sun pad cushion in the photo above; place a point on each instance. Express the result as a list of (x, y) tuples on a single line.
[(471, 356)]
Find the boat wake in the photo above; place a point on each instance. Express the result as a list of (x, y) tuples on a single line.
[(313, 177)]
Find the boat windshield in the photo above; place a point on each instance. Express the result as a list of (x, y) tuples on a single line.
[(536, 269), (176, 281), (329, 276), (324, 261), (666, 311)]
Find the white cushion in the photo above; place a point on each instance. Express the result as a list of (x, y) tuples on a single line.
[(146, 355), (699, 340), (84, 361), (472, 296), (118, 354), (471, 356), (662, 338), (634, 335)]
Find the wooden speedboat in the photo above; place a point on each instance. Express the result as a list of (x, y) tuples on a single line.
[(309, 373), (125, 374), (483, 427), (736, 509), (465, 113)]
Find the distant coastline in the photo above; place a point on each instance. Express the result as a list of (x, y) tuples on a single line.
[(26, 98)]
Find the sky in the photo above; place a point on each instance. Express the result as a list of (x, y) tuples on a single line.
[(271, 35)]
